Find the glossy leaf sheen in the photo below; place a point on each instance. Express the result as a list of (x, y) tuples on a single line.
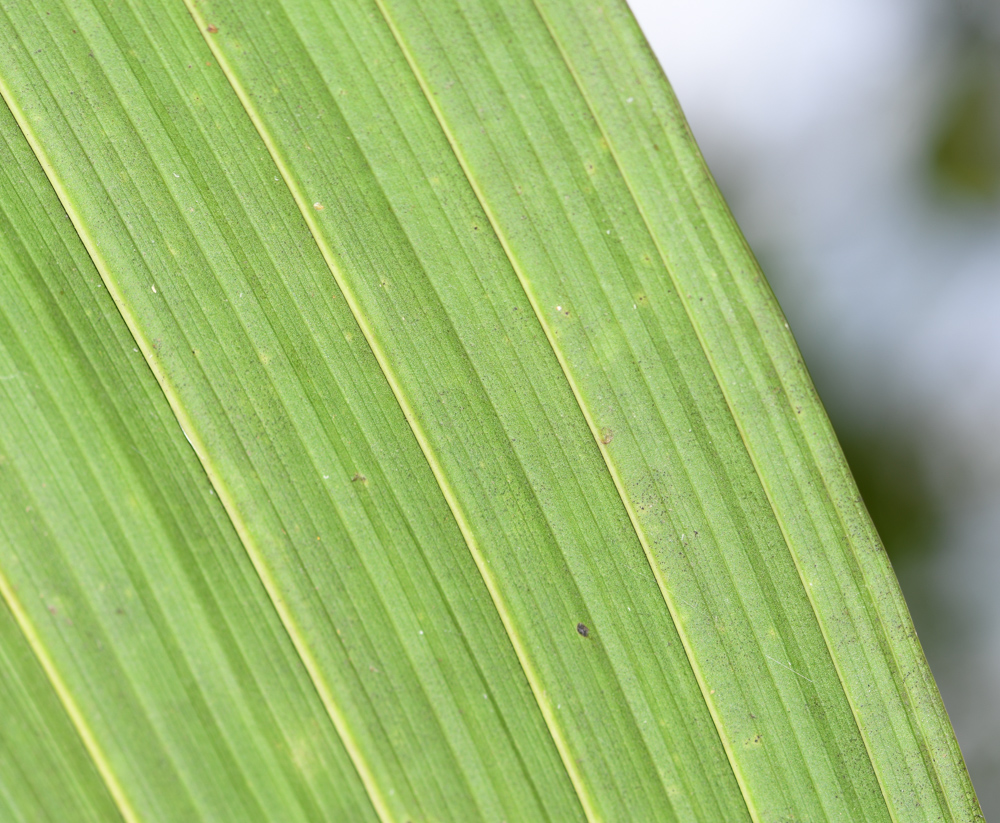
[(482, 479)]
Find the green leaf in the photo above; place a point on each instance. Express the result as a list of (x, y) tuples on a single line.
[(394, 425), (122, 570)]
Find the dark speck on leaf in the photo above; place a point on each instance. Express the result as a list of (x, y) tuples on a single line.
[(359, 478), (583, 630)]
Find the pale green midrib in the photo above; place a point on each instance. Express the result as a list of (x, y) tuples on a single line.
[(229, 503), (726, 393), (66, 699), (408, 413), (68, 702), (595, 431), (34, 640), (93, 474)]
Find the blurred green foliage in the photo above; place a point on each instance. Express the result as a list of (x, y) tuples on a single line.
[(965, 146), (890, 469)]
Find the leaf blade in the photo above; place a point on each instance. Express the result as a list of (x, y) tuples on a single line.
[(476, 419), (222, 21), (492, 169), (96, 560), (149, 234), (931, 778)]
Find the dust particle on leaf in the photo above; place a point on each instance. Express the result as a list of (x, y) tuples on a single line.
[(582, 630)]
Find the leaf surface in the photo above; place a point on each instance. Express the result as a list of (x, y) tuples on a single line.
[(482, 480), (122, 570), (840, 558)]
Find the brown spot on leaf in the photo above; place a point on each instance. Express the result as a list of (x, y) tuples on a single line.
[(607, 435), (212, 29), (359, 478)]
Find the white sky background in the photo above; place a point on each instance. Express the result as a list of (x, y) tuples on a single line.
[(815, 118)]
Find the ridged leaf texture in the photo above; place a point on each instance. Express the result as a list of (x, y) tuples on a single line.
[(394, 425)]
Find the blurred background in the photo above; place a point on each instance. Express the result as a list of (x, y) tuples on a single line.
[(858, 143)]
